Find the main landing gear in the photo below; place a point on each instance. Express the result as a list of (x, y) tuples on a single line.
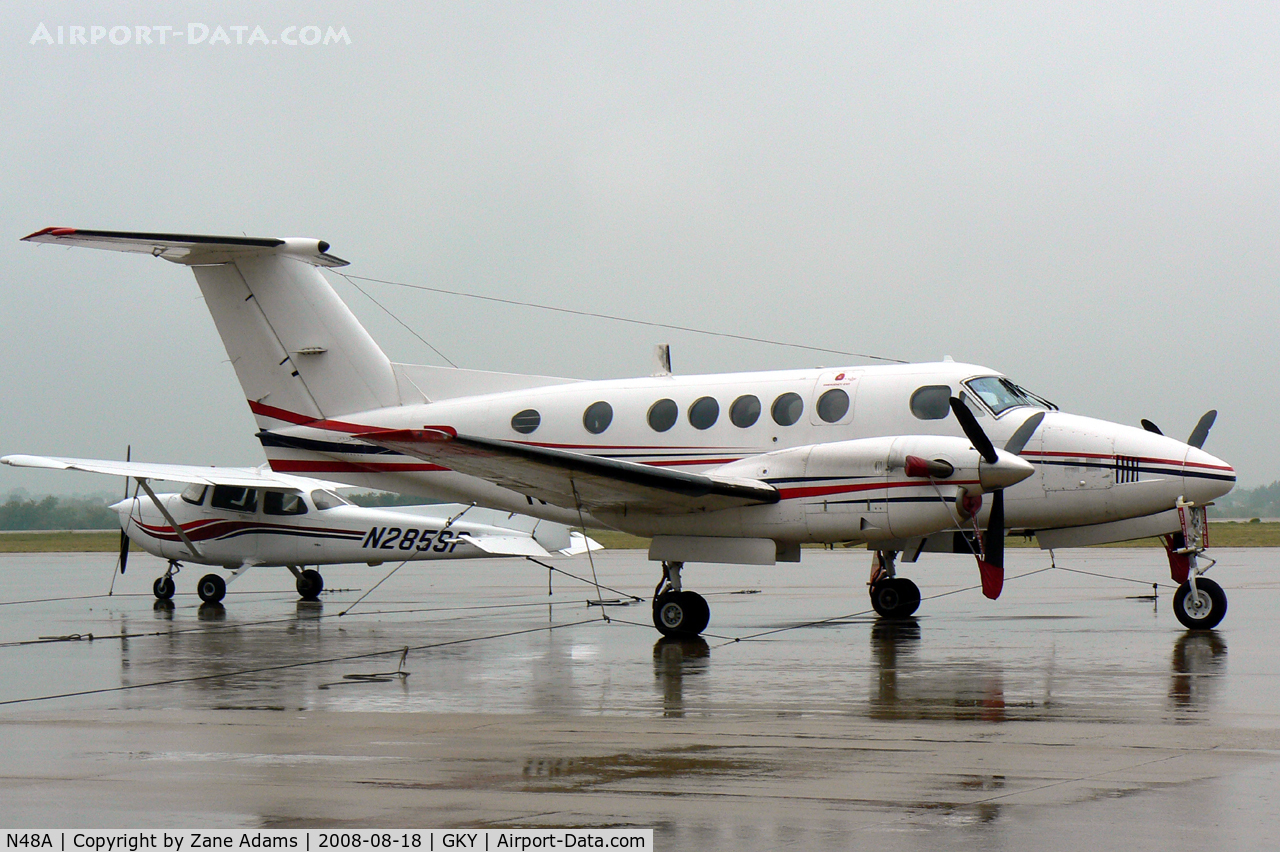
[(677, 613), (212, 588), (309, 583), (891, 596)]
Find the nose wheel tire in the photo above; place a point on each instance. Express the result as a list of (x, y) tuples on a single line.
[(681, 614), (211, 588), (1202, 611), (896, 597), (163, 588), (310, 584)]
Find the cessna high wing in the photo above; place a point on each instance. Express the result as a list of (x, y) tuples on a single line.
[(237, 518), (730, 468)]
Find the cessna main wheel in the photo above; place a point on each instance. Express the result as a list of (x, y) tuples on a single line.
[(680, 614), (895, 598), (310, 584), (1202, 611), (211, 588)]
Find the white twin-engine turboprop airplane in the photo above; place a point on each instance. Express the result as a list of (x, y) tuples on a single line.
[(238, 518), (735, 468)]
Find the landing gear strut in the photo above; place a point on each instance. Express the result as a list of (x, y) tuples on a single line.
[(891, 596), (677, 613)]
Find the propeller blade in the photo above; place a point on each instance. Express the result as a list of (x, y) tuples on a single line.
[(992, 579), (1150, 427), (1028, 428), (124, 551), (1201, 432), (991, 563), (122, 561), (973, 431), (993, 539)]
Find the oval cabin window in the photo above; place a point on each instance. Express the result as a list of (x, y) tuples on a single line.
[(833, 405), (597, 417), (663, 415), (787, 409)]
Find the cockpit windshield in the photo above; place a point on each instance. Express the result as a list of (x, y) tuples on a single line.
[(327, 499), (999, 394)]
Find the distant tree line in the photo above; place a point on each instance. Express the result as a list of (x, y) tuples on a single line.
[(1245, 503), (58, 513), (20, 512)]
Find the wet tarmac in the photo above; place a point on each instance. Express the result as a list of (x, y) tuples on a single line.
[(1074, 711)]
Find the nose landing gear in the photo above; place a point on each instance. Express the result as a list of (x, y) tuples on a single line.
[(1199, 603)]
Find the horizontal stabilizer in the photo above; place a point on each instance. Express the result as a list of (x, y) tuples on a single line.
[(189, 249), (244, 477)]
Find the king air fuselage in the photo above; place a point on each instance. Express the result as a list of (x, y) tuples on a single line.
[(833, 442)]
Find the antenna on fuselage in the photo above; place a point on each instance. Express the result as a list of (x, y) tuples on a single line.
[(663, 353)]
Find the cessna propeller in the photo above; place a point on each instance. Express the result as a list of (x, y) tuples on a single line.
[(122, 561)]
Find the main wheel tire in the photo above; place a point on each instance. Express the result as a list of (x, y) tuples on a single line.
[(163, 588), (310, 584), (211, 588), (895, 598), (1202, 612), (680, 614)]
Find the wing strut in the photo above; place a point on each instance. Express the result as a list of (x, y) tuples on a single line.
[(182, 534)]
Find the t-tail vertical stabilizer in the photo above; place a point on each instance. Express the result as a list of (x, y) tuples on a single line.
[(299, 352)]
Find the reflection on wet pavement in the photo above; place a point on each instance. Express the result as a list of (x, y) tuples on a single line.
[(505, 705)]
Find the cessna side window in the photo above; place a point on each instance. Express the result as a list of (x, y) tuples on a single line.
[(526, 421), (283, 503), (787, 409), (931, 402), (597, 417), (194, 493), (833, 405), (663, 415), (235, 498), (327, 500), (704, 412), (745, 411)]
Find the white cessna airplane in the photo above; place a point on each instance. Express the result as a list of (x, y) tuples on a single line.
[(237, 518), (733, 468)]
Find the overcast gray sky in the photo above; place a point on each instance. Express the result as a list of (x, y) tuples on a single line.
[(1084, 196)]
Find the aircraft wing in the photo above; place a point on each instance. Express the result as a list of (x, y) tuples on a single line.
[(246, 477), (574, 480)]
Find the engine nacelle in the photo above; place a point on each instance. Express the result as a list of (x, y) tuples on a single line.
[(875, 489)]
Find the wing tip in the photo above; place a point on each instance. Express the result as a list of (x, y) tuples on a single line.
[(48, 232)]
